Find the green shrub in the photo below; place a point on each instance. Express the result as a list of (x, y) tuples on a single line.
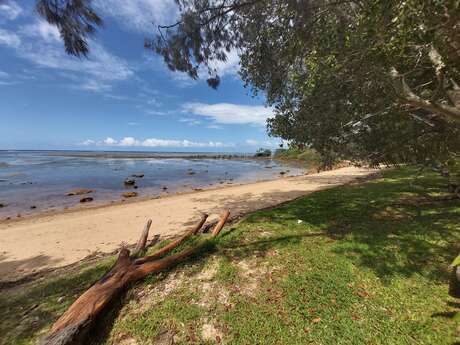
[(263, 153)]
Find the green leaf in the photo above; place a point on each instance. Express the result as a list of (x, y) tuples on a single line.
[(456, 261), (456, 317)]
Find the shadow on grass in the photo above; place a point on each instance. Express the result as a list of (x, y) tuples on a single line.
[(26, 311), (378, 225)]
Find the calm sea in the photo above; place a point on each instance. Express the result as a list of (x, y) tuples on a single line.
[(37, 181)]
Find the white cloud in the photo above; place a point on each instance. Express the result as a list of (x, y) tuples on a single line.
[(9, 9), (154, 102), (252, 142), (5, 79), (110, 141), (40, 44), (183, 80), (228, 67), (88, 142), (129, 141), (227, 113), (9, 39), (139, 15), (96, 86), (156, 112), (191, 122), (100, 63), (262, 143), (7, 83), (154, 142), (223, 68), (42, 29), (182, 143), (214, 127)]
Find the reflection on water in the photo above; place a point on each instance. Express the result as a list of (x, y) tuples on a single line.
[(34, 181)]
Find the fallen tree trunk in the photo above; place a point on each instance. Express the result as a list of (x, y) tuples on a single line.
[(72, 326)]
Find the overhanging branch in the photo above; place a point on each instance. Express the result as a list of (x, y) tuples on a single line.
[(450, 113)]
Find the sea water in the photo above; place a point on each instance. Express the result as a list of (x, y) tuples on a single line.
[(37, 181)]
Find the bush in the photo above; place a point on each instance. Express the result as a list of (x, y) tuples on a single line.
[(263, 153)]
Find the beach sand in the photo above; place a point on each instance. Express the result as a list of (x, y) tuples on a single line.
[(49, 241)]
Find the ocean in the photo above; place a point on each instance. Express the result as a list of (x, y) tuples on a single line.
[(37, 181)]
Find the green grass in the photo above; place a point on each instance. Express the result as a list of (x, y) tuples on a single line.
[(174, 312), (357, 264), (306, 155), (26, 311)]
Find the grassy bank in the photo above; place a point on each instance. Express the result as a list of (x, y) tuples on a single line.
[(307, 157), (358, 264)]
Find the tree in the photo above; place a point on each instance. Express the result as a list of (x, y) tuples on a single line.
[(263, 153), (76, 21)]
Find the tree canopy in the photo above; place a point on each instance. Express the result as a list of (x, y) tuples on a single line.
[(366, 80)]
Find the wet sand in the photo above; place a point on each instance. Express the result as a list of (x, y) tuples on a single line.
[(58, 239)]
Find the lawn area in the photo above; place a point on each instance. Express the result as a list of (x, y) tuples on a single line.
[(365, 263)]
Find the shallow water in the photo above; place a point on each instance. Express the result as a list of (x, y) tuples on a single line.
[(41, 179)]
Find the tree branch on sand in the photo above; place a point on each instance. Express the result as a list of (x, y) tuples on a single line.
[(72, 327)]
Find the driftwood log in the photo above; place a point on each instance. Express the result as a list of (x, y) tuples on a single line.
[(72, 327)]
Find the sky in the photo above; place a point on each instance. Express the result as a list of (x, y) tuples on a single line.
[(122, 97)]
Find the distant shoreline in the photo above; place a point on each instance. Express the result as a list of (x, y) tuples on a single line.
[(151, 155), (141, 154)]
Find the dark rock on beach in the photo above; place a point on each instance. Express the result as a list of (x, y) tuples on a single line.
[(79, 191), (2, 205), (86, 199), (140, 175)]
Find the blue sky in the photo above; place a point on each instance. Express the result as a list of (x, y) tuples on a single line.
[(122, 97)]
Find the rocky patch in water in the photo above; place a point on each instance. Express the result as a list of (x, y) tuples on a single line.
[(86, 199), (129, 182), (129, 194)]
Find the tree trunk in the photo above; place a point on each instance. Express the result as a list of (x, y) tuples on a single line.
[(72, 326)]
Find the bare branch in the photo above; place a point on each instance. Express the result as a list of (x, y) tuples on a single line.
[(448, 112), (166, 249), (143, 239), (215, 232)]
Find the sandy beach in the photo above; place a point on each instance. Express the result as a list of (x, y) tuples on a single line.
[(54, 240)]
